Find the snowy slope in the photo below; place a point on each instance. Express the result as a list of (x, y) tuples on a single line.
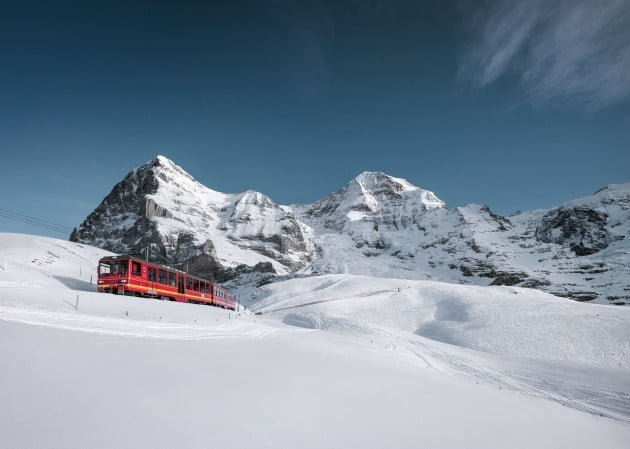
[(367, 365), (376, 225), (346, 373), (513, 338), (499, 320)]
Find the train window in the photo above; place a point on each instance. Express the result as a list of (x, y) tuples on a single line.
[(152, 274), (196, 285), (106, 267), (135, 268), (112, 267), (162, 276), (189, 283), (172, 281)]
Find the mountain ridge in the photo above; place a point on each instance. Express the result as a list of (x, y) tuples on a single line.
[(376, 224)]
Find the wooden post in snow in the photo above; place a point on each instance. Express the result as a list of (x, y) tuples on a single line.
[(76, 306)]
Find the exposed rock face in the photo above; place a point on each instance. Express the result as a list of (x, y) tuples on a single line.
[(376, 225), (375, 197), (257, 223), (159, 211), (582, 229), (121, 222)]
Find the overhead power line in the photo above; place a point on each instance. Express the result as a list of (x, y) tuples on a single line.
[(21, 218)]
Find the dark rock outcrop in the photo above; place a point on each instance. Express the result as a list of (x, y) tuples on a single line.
[(581, 229)]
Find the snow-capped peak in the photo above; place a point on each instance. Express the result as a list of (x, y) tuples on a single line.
[(163, 159), (163, 163), (377, 184), (373, 180), (373, 193), (176, 183), (375, 224), (614, 192)]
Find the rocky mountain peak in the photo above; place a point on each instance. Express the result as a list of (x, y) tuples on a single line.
[(373, 195), (159, 205), (376, 224), (375, 181), (381, 187), (614, 193), (174, 180)]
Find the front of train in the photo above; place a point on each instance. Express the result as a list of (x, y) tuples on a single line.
[(113, 274)]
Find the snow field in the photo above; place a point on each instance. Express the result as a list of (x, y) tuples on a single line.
[(502, 320), (349, 373)]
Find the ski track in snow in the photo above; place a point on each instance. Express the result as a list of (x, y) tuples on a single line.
[(601, 401), (131, 327), (500, 372), (613, 404)]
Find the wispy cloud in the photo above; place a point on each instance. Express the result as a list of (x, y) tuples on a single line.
[(568, 50)]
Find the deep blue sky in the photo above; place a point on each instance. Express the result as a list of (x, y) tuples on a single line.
[(290, 98)]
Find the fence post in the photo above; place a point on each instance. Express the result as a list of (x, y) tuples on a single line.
[(76, 306)]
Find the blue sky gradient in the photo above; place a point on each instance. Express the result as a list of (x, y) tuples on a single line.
[(293, 99)]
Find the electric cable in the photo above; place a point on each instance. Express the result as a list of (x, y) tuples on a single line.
[(21, 218)]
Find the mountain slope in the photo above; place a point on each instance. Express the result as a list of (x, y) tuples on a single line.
[(161, 207), (376, 225), (365, 367)]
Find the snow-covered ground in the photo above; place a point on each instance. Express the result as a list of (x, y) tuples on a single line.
[(334, 361)]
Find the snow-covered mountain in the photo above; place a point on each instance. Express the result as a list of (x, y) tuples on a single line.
[(161, 207), (376, 225)]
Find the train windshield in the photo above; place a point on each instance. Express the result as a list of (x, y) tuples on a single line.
[(112, 267)]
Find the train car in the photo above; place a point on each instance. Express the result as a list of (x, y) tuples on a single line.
[(127, 275)]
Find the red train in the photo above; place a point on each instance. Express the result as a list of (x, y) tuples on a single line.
[(126, 275)]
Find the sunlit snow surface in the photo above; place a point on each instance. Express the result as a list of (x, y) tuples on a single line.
[(336, 361)]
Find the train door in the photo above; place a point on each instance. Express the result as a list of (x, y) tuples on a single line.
[(123, 276), (152, 278), (180, 284)]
